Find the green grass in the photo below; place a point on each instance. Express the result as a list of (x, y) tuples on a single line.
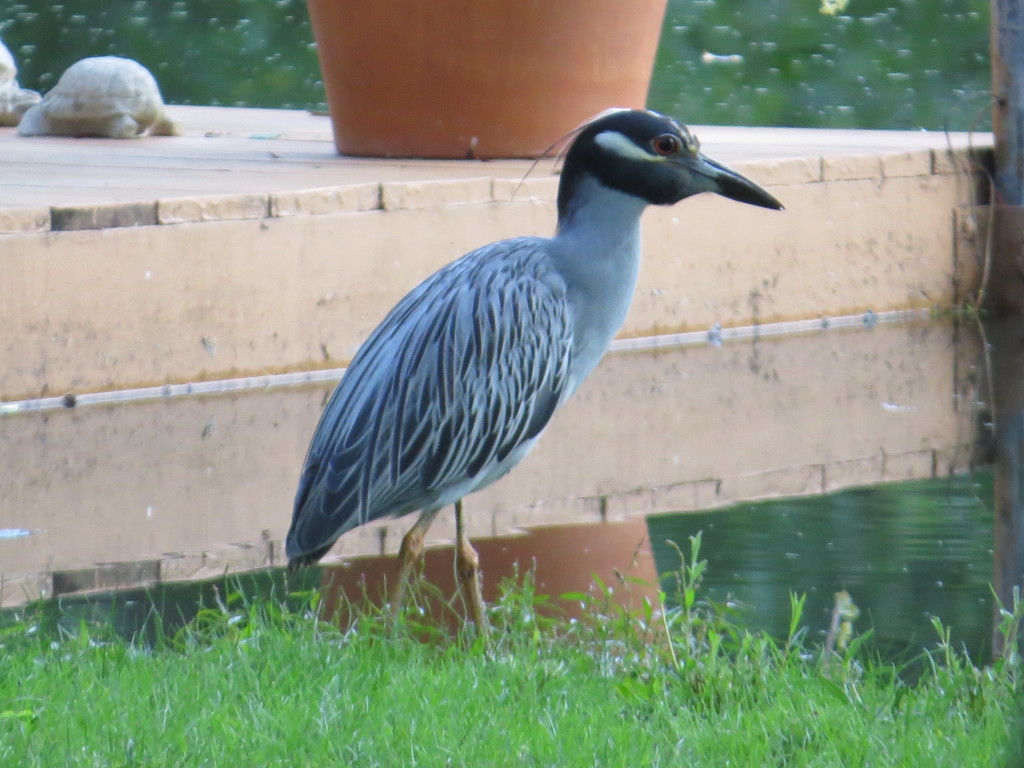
[(255, 683)]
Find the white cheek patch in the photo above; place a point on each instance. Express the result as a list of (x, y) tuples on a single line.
[(618, 144)]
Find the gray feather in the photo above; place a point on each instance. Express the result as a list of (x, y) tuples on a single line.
[(467, 368)]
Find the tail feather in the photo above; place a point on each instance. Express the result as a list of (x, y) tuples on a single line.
[(307, 558)]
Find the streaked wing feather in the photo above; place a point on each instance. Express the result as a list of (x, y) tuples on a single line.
[(466, 368)]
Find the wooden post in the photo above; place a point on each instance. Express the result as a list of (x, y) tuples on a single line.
[(1006, 335), (1007, 49)]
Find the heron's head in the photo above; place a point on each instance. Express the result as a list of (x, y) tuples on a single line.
[(652, 157)]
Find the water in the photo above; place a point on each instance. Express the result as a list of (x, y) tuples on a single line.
[(907, 65), (149, 614), (878, 64), (256, 53), (905, 552), (138, 494)]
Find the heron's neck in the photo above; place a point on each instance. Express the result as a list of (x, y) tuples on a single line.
[(590, 209), (597, 250)]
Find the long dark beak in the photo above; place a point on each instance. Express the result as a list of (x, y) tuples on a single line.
[(727, 183)]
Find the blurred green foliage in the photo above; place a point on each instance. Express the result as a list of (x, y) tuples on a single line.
[(904, 64), (899, 64), (254, 53)]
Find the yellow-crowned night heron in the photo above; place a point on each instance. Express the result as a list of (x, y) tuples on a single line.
[(456, 384)]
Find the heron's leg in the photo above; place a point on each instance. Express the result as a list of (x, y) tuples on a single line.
[(409, 555), (467, 563)]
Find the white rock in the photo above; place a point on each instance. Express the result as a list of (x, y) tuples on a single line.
[(101, 96), (13, 99)]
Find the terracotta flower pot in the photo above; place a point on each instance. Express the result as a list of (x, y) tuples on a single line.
[(478, 78)]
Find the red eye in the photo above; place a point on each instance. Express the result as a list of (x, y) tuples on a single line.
[(666, 144)]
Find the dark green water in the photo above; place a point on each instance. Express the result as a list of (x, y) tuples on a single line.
[(905, 65), (252, 53), (900, 65), (904, 551), (151, 614)]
